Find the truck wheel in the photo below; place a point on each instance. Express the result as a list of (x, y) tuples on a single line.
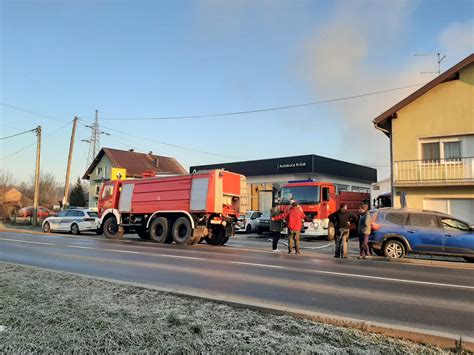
[(111, 228), (182, 231), (160, 230), (143, 234), (217, 236), (331, 231)]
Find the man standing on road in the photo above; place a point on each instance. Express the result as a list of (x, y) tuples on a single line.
[(276, 228), (363, 229), (294, 220), (342, 221)]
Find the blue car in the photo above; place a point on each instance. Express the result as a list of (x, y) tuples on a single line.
[(396, 232)]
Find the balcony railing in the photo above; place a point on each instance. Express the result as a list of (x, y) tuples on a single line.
[(449, 171)]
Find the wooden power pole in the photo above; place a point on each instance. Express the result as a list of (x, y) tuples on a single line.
[(69, 159), (37, 176)]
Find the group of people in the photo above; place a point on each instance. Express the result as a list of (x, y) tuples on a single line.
[(341, 219)]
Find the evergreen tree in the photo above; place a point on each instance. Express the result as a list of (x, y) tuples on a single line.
[(77, 197)]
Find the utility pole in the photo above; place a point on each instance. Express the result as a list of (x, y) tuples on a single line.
[(69, 159), (37, 176)]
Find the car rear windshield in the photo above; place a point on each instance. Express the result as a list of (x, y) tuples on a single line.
[(92, 214), (396, 218)]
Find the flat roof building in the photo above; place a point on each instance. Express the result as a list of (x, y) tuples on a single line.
[(266, 176)]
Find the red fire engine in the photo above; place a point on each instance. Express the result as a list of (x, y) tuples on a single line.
[(319, 200), (183, 209)]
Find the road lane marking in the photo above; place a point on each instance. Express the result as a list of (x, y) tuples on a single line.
[(428, 283), (26, 241)]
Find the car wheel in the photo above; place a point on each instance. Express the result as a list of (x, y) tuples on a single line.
[(248, 229), (469, 259), (46, 227), (394, 249), (75, 229)]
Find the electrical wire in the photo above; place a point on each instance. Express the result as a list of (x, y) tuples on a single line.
[(18, 134), (57, 119), (261, 110), (32, 144), (169, 144)]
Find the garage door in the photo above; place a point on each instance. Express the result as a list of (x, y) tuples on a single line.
[(460, 208)]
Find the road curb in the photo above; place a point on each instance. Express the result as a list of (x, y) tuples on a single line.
[(423, 336), (449, 264)]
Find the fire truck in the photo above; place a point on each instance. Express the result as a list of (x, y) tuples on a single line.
[(185, 209), (319, 200)]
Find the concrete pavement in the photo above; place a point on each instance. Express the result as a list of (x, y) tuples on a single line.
[(431, 299)]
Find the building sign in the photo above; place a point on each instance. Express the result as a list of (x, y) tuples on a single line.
[(291, 165), (118, 174)]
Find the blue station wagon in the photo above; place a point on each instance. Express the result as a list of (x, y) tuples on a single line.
[(396, 232)]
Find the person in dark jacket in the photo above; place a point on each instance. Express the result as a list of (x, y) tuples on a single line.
[(364, 229), (342, 220), (276, 227)]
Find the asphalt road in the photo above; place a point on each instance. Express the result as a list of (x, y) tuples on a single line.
[(424, 297)]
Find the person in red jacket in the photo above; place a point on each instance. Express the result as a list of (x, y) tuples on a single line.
[(294, 220)]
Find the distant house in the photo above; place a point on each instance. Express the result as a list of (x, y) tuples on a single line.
[(432, 143), (12, 201), (136, 165)]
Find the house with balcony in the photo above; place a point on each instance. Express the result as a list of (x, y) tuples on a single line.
[(431, 136), (136, 165)]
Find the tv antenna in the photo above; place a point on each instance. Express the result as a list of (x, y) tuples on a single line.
[(440, 59)]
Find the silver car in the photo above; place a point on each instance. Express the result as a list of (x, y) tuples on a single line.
[(74, 221)]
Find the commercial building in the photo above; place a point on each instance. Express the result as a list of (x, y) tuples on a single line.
[(432, 143), (135, 165), (266, 176)]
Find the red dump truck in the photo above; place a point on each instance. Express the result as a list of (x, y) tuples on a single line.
[(318, 200), (184, 209)]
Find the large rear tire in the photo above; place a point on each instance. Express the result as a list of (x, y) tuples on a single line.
[(217, 236), (143, 234), (160, 231), (111, 229), (182, 231)]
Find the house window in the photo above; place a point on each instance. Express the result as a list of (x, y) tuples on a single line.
[(99, 171), (430, 151), (452, 150), (107, 172)]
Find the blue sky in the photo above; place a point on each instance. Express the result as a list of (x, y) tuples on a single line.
[(167, 58)]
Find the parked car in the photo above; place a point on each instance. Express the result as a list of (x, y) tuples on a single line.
[(74, 221), (396, 232), (264, 223), (248, 223), (43, 212)]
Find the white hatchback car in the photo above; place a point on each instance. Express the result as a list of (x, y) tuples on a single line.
[(74, 221), (248, 223)]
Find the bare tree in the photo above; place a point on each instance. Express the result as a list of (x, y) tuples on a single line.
[(50, 191), (6, 181)]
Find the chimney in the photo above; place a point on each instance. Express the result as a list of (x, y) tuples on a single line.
[(131, 150)]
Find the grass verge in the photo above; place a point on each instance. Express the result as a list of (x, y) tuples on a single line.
[(43, 311)]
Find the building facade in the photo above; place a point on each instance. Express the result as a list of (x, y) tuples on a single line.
[(135, 164), (432, 144), (266, 176)]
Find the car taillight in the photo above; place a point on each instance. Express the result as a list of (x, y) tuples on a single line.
[(375, 226)]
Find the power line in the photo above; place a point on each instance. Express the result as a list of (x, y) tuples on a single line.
[(18, 134), (34, 143), (264, 109), (169, 144), (31, 112)]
